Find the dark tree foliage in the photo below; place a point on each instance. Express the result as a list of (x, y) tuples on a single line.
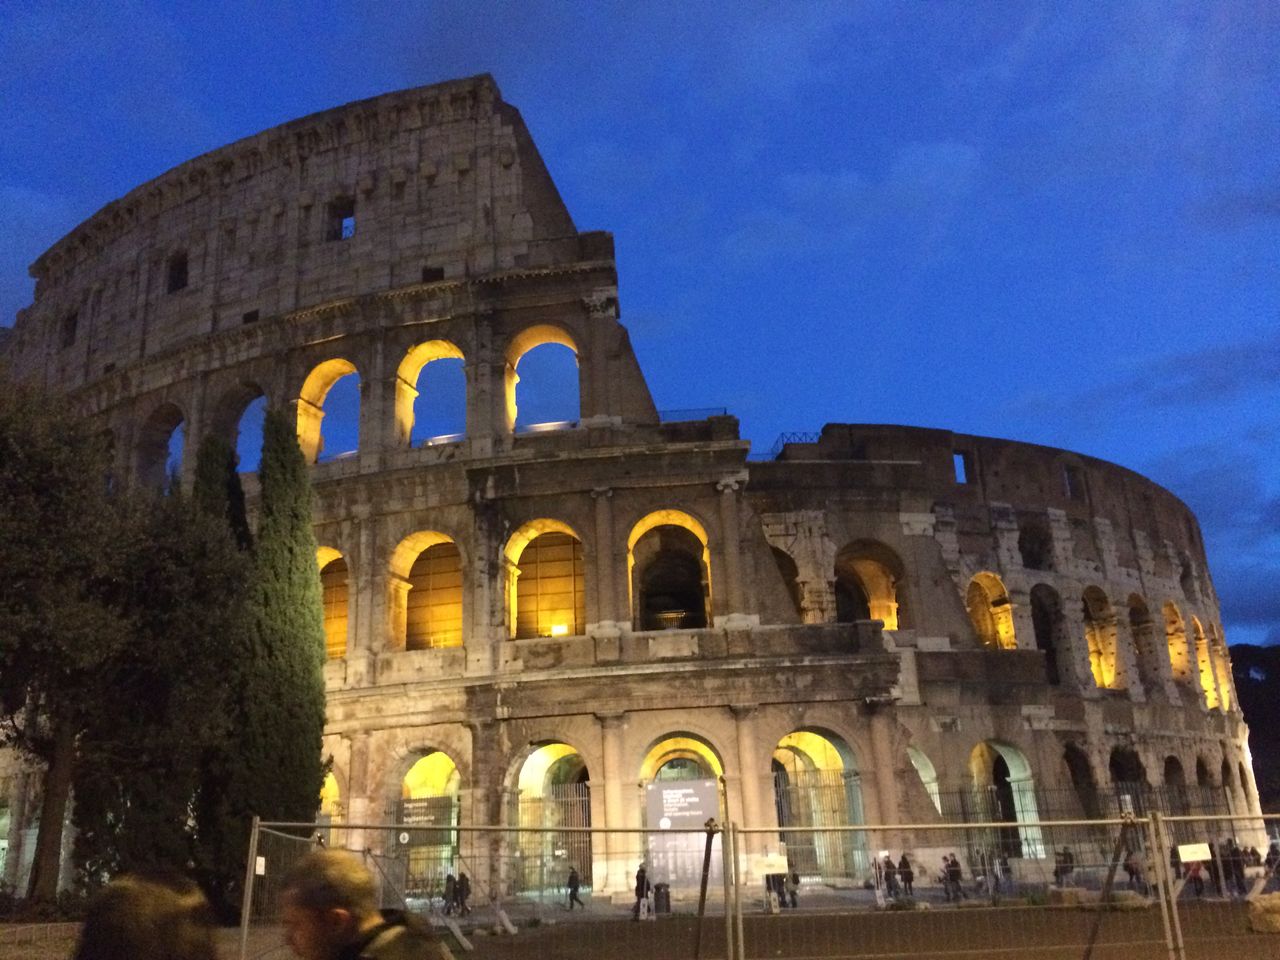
[(217, 490), (1256, 671), (164, 696), (60, 584), (280, 740)]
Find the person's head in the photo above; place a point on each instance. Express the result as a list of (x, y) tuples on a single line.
[(329, 898), (159, 916)]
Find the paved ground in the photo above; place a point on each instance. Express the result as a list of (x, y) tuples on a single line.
[(1212, 930)]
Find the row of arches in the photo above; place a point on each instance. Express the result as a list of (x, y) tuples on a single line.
[(1125, 647), (430, 402)]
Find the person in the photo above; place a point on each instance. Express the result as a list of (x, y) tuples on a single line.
[(159, 916), (330, 912), (954, 876), (1196, 877), (1271, 862), (1235, 862), (464, 893), (1132, 868), (793, 888), (642, 891), (450, 893), (890, 878), (906, 874), (574, 884), (1005, 873)]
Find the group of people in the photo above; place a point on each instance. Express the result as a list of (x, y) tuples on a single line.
[(329, 912), (898, 879), (1225, 867), (457, 890)]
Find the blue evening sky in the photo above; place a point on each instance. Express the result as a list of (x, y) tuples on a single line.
[(1056, 222)]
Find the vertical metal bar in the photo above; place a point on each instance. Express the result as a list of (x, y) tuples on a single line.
[(711, 827), (246, 904), (1162, 884), (737, 895), (726, 860), (1162, 838)]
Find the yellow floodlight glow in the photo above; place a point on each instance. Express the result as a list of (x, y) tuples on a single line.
[(559, 629)]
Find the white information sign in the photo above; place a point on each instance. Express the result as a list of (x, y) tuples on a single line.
[(260, 867), (1193, 852)]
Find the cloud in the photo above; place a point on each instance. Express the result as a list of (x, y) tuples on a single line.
[(1242, 208)]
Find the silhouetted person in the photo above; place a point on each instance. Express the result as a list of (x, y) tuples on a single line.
[(574, 884), (156, 916), (642, 891), (906, 875)]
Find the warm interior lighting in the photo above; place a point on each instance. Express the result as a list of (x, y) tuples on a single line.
[(559, 629)]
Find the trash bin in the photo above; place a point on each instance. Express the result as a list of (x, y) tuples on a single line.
[(662, 898)]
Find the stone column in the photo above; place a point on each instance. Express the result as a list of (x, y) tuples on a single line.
[(359, 799), (735, 606), (886, 772), (1073, 660), (751, 784), (615, 878), (606, 602)]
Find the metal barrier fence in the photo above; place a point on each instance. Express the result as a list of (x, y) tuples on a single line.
[(1126, 888)]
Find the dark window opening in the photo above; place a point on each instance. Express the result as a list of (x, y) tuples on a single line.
[(109, 368), (1073, 483), (69, 324), (1035, 544), (962, 461), (176, 274), (342, 219), (432, 274), (250, 316)]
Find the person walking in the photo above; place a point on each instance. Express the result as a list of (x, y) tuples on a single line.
[(158, 916), (450, 893), (890, 878), (906, 875), (793, 888), (464, 893), (574, 884)]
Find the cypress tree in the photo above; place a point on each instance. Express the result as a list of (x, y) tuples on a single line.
[(285, 718)]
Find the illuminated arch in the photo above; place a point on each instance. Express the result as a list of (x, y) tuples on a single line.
[(522, 343), (1100, 635), (991, 612), (161, 447), (816, 784), (681, 756), (1002, 774), (335, 590), (553, 794), (429, 797), (426, 591), (868, 578), (928, 774), (664, 579), (552, 602), (1221, 666), (1175, 633), (311, 402), (1204, 666), (407, 376), (330, 798)]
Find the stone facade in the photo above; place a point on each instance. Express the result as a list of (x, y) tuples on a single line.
[(919, 612)]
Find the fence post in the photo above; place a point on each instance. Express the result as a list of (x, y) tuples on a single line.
[(250, 871), (730, 881), (1164, 889), (1178, 949), (737, 896)]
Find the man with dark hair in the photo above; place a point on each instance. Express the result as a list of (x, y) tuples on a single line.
[(331, 913)]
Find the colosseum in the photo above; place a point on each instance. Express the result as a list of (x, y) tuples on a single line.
[(532, 623)]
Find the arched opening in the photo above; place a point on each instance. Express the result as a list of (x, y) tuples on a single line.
[(1006, 793), (330, 396), (160, 449), (1175, 787), (433, 608), (554, 796), (868, 579), (991, 612), (928, 775), (1203, 778), (330, 799), (1046, 624), (334, 592), (1204, 664), (1142, 629), (1186, 577), (545, 583), (1221, 667), (1226, 775), (681, 774), (669, 572), (545, 359), (1175, 634), (1080, 771), (429, 803), (816, 785), (249, 435), (790, 577), (431, 394), (1128, 780), (1243, 773), (1100, 634)]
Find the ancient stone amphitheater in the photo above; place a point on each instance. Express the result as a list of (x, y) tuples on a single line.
[(528, 623)]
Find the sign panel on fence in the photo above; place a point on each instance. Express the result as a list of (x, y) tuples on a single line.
[(680, 805)]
